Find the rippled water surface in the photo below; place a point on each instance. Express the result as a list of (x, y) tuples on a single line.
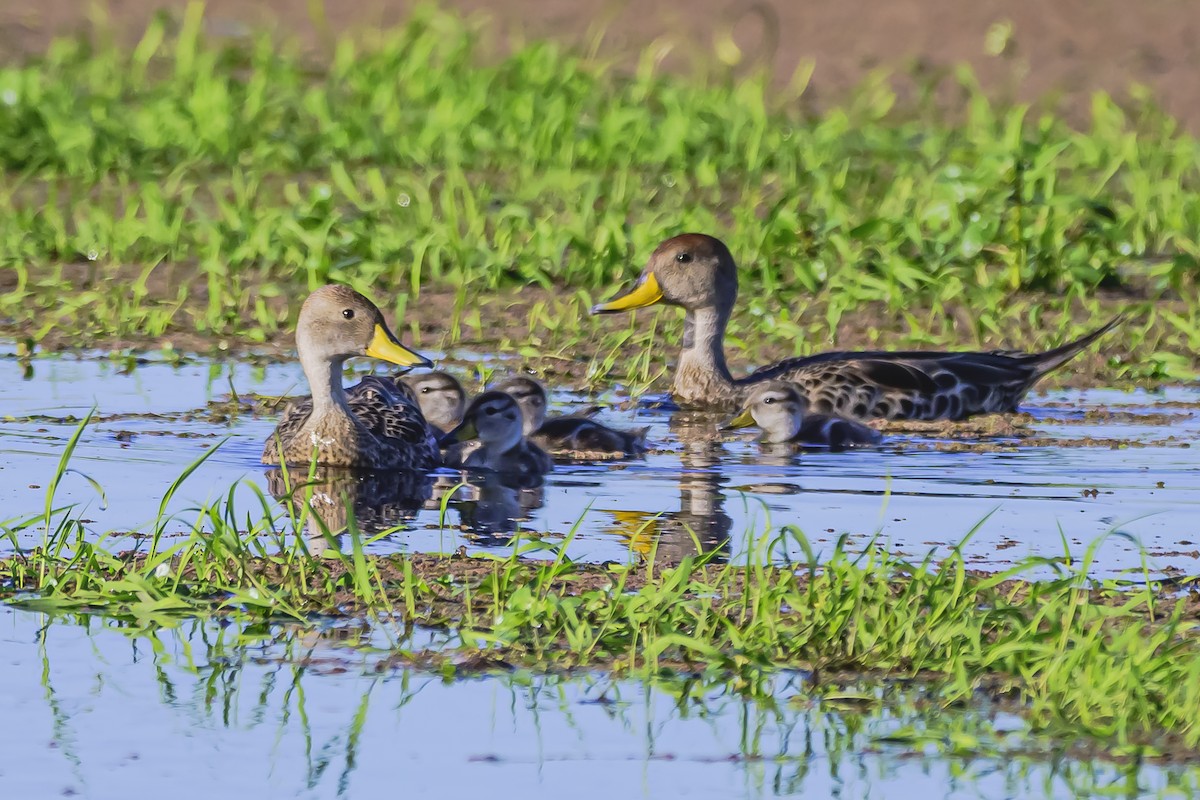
[(911, 494), (96, 711), (211, 708)]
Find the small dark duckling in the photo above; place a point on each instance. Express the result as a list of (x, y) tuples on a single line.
[(575, 433), (440, 396), (781, 410), (495, 419)]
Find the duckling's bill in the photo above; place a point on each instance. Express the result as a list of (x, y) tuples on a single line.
[(387, 347), (742, 420), (646, 293)]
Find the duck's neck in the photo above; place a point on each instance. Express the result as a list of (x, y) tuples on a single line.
[(702, 375), (325, 380)]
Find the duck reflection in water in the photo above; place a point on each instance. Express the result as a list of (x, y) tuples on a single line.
[(700, 527), (379, 500), (491, 506)]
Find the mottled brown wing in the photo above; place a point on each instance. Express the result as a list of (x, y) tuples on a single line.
[(921, 385), (390, 414), (910, 385)]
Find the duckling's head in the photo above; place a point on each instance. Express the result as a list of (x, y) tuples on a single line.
[(692, 270), (493, 418), (530, 396), (778, 407), (440, 396), (337, 323)]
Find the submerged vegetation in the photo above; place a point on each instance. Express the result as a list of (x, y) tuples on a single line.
[(197, 184)]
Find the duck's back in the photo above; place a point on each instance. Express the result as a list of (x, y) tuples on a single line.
[(908, 385), (836, 433), (921, 385), (580, 434)]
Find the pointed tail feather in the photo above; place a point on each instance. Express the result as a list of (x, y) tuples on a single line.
[(1053, 359)]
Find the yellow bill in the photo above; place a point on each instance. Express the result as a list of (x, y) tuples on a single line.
[(385, 347), (742, 420), (646, 293)]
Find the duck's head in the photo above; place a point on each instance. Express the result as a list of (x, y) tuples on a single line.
[(692, 270), (440, 396), (530, 396), (493, 418), (337, 323), (777, 407)]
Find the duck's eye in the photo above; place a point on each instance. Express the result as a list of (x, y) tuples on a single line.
[(768, 400), (348, 313), (424, 390), (683, 258)]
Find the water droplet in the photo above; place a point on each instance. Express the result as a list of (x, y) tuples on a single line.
[(403, 200), (9, 97), (92, 255)]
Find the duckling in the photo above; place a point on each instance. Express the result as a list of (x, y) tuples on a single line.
[(576, 433), (781, 410), (373, 426), (495, 419), (440, 396), (697, 273)]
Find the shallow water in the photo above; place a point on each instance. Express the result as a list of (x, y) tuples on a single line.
[(94, 707), (93, 710), (692, 488)]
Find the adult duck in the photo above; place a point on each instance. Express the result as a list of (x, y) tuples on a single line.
[(373, 425), (697, 273)]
